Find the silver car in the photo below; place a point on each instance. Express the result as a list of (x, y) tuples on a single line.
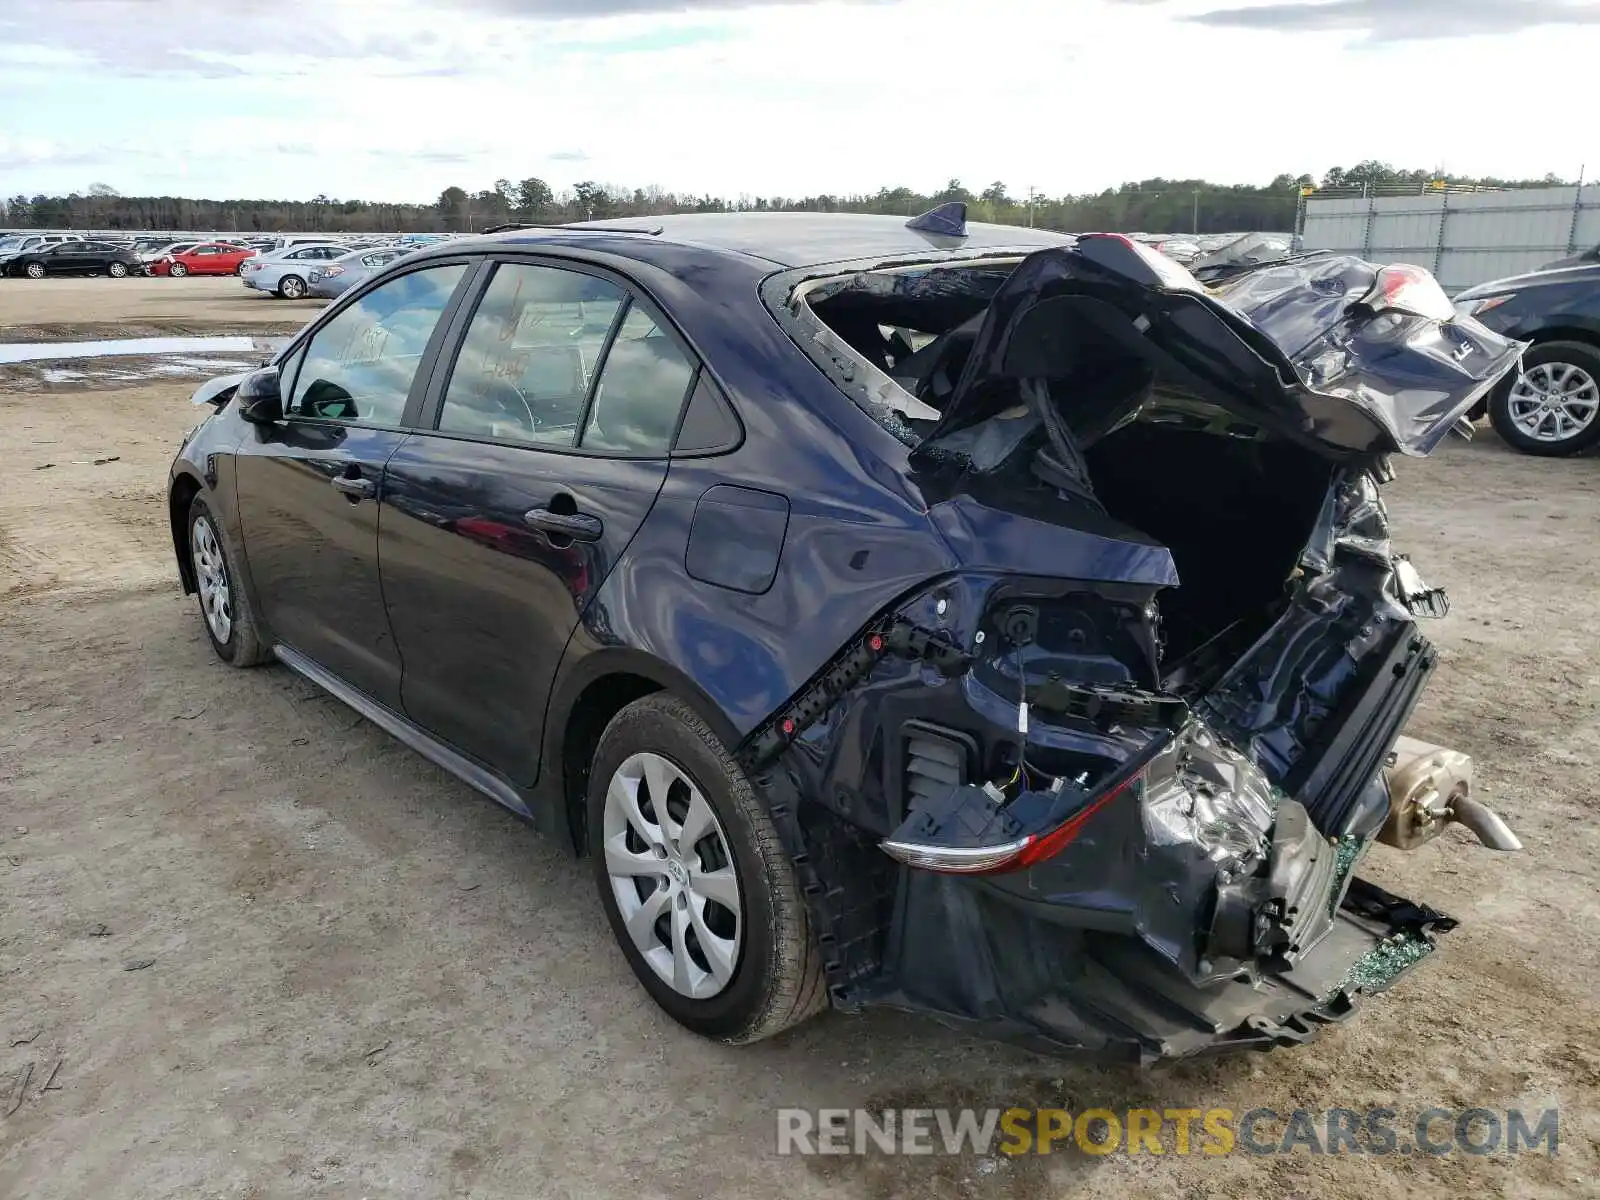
[(333, 279), (285, 272)]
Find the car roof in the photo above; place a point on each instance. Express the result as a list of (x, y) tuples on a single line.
[(786, 239)]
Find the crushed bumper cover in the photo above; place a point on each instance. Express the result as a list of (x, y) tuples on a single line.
[(971, 958)]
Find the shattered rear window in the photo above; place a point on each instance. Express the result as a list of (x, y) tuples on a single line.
[(878, 331)]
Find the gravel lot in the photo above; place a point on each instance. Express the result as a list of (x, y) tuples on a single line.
[(67, 308), (363, 980)]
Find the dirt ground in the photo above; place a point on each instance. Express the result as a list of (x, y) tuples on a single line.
[(71, 308), (252, 947)]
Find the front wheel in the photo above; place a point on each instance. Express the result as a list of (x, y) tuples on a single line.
[(699, 890), (224, 608), (291, 287), (117, 270), (35, 270), (177, 270), (1550, 409)]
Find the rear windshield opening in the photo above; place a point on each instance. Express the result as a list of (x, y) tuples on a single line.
[(913, 327)]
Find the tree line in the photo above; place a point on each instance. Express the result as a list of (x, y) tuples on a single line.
[(1154, 205)]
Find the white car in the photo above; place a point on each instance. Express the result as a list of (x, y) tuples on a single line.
[(285, 272), (23, 242)]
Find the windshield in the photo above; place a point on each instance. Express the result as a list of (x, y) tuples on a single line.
[(11, 243)]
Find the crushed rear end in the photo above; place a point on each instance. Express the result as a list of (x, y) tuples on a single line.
[(1106, 788)]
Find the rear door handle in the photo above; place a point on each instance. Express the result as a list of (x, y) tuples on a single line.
[(359, 489), (580, 527)]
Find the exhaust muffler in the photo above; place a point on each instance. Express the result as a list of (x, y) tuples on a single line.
[(1430, 787)]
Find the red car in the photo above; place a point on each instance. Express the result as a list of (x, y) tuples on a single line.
[(203, 258)]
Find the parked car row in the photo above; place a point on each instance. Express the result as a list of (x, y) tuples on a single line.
[(178, 255)]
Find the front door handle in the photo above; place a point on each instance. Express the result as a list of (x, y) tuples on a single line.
[(580, 527), (356, 489)]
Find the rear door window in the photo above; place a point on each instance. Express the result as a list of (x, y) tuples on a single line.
[(640, 392), (529, 356), (359, 367)]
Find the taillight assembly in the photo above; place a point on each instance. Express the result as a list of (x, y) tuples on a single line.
[(972, 810), (1410, 289)]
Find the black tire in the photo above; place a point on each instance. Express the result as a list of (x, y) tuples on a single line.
[(1581, 355), (291, 287), (777, 982), (239, 270), (117, 270), (242, 647), (34, 270), (177, 270)]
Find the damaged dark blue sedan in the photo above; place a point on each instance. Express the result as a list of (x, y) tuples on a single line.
[(967, 619)]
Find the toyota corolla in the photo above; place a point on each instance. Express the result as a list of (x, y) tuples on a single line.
[(966, 619)]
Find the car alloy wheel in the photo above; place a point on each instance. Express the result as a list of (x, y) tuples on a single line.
[(177, 270), (1553, 401), (292, 287), (211, 574), (35, 270), (117, 270), (672, 875)]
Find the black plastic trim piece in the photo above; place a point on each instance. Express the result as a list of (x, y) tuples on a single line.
[(1329, 779), (413, 735)]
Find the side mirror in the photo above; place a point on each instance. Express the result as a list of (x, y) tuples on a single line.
[(260, 397)]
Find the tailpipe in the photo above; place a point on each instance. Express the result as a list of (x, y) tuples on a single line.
[(1430, 787)]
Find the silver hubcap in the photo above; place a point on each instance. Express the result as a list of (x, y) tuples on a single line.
[(35, 270), (118, 270), (292, 288), (211, 572), (672, 876), (1553, 401)]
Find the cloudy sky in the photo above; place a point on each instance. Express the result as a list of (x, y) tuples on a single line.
[(400, 99)]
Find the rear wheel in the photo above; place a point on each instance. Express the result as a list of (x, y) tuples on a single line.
[(291, 287), (177, 270), (1553, 407), (700, 893), (239, 270), (224, 608)]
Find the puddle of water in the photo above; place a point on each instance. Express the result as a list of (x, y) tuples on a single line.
[(174, 368), (21, 352)]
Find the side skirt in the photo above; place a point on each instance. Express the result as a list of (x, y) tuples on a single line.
[(412, 734)]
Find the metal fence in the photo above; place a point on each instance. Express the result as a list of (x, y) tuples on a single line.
[(1463, 237)]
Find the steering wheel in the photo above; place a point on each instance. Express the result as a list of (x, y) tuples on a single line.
[(501, 394)]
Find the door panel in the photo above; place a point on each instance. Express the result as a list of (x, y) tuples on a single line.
[(481, 600), (308, 486), (496, 532), (312, 547)]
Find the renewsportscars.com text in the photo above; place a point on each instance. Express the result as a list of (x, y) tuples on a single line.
[(1179, 1131)]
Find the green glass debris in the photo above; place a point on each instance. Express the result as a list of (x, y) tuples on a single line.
[(1384, 963)]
